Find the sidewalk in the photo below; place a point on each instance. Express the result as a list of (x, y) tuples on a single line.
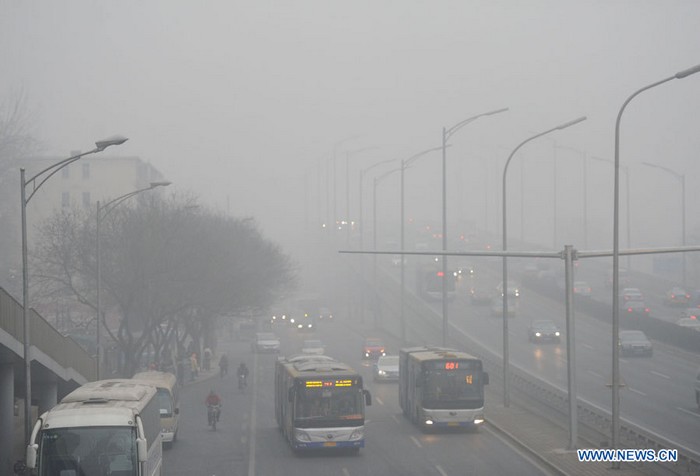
[(547, 442)]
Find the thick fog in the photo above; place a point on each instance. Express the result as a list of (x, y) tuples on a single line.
[(245, 103)]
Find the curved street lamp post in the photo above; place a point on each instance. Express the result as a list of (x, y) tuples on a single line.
[(506, 396), (616, 260), (101, 212), (36, 182), (446, 134)]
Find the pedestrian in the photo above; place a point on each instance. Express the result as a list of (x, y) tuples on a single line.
[(194, 366), (223, 365), (180, 372), (207, 359)]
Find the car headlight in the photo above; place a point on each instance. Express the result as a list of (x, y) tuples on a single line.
[(299, 326), (357, 435), (301, 435), (556, 333), (292, 320), (381, 372), (538, 334)]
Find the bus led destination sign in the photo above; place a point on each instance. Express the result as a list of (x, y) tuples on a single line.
[(329, 383)]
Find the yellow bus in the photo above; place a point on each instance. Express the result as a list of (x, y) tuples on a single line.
[(166, 384)]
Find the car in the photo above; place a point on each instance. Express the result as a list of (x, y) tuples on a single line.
[(396, 260), (513, 289), (480, 295), (633, 342), (465, 271), (677, 296), (373, 348), (266, 342), (325, 314), (631, 294), (497, 307), (279, 318), (636, 308), (691, 313), (689, 323), (313, 346), (582, 288), (386, 368), (543, 330)]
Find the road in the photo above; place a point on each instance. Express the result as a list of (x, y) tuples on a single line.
[(247, 440), (659, 391)]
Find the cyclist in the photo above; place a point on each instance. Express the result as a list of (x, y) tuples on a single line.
[(213, 401), (242, 375)]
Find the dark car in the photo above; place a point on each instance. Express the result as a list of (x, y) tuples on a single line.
[(636, 308), (373, 348), (543, 330), (635, 343), (677, 297)]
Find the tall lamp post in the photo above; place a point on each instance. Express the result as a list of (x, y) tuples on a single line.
[(446, 134), (362, 177), (506, 397), (628, 226), (347, 189), (681, 179), (36, 182), (616, 260), (100, 213), (405, 163)]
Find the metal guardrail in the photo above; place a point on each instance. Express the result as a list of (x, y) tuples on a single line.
[(593, 416), (63, 350)]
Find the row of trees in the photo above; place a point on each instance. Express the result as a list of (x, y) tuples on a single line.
[(169, 270)]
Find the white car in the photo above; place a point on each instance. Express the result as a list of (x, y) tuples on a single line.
[(513, 289), (387, 368), (313, 346), (689, 323), (266, 342)]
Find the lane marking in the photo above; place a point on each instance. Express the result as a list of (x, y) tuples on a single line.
[(346, 472), (659, 374), (415, 440), (638, 392), (588, 346), (440, 470), (395, 419), (379, 400), (688, 412)]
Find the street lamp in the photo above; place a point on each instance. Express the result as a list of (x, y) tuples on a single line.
[(616, 260), (347, 189), (506, 398), (628, 231), (405, 163), (362, 177), (681, 179), (36, 182), (446, 134), (101, 212), (331, 221)]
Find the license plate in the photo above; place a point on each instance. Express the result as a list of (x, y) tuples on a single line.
[(453, 423), (329, 443)]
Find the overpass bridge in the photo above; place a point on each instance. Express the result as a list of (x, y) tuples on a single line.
[(58, 365)]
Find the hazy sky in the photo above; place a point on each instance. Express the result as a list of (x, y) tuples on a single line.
[(240, 101)]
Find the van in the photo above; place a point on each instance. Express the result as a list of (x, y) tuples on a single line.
[(167, 396)]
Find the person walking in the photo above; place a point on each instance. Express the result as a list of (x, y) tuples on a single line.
[(194, 365)]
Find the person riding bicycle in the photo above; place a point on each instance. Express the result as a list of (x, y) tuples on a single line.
[(243, 374), (214, 400)]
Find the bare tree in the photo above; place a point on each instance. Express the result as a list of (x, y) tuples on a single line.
[(168, 272)]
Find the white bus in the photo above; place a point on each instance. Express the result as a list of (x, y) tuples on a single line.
[(320, 403), (167, 388), (440, 388), (104, 427)]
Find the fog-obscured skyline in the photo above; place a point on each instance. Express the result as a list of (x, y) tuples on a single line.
[(242, 102)]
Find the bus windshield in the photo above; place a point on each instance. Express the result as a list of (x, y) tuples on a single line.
[(314, 405), (88, 451), (456, 388)]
